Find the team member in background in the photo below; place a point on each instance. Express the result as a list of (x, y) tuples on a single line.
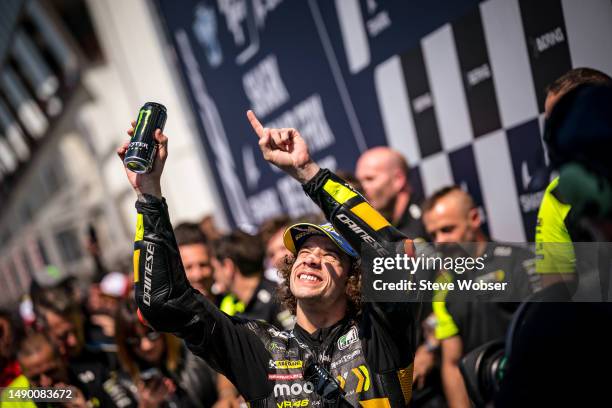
[(198, 259), (160, 367), (383, 174), (337, 347), (196, 255), (454, 224), (557, 225), (43, 366), (102, 304), (271, 233), (569, 336), (240, 257), (10, 333), (58, 313)]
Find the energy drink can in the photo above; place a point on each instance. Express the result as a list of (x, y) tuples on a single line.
[(141, 150)]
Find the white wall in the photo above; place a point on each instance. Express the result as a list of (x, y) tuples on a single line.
[(138, 70)]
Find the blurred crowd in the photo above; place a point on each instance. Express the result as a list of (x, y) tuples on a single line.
[(88, 335)]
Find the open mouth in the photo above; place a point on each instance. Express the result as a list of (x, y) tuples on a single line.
[(309, 277)]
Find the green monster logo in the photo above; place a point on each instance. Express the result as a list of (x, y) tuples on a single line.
[(146, 114)]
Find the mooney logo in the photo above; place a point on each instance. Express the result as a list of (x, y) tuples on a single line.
[(295, 389), (146, 297), (365, 237)]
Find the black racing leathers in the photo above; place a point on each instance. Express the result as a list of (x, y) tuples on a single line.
[(369, 354)]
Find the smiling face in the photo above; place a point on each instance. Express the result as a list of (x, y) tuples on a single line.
[(198, 268), (320, 272)]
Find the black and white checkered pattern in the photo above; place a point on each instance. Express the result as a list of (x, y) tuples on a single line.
[(466, 106)]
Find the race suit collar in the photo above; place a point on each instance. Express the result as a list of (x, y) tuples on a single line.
[(320, 335)]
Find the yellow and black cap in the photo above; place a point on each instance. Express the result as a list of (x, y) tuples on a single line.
[(297, 234)]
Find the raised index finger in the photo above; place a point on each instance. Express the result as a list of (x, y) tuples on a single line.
[(255, 123)]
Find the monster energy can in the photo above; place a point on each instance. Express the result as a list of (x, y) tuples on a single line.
[(141, 150)]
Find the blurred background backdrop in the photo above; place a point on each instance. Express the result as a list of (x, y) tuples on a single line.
[(456, 86)]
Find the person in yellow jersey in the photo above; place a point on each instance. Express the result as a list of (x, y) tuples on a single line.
[(556, 227)]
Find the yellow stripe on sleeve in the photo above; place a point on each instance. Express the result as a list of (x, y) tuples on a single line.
[(370, 216), (139, 228), (376, 403), (339, 192), (445, 326), (136, 263)]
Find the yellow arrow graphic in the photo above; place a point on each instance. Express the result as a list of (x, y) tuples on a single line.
[(341, 380), (366, 373), (360, 377), (363, 376)]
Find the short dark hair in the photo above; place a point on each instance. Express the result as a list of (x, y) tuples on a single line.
[(57, 299), (33, 343), (189, 233), (576, 77), (246, 251), (433, 199), (126, 324), (16, 332)]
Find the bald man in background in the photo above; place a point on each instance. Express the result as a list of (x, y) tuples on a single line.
[(451, 218), (383, 174)]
